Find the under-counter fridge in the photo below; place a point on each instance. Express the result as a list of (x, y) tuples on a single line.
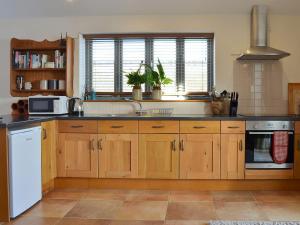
[(24, 169)]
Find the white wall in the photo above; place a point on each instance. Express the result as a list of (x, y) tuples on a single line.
[(231, 38)]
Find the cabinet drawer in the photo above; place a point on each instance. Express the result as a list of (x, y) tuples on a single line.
[(199, 127), (233, 127), (159, 127), (118, 127), (297, 127), (78, 126), (269, 174)]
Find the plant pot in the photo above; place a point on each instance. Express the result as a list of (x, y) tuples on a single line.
[(137, 94), (156, 94)]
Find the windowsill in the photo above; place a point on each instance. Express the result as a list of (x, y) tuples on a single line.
[(148, 99)]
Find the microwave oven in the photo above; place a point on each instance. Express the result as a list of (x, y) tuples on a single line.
[(48, 105)]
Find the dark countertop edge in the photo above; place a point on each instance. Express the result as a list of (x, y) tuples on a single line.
[(13, 124)]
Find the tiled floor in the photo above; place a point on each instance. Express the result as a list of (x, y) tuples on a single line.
[(146, 207)]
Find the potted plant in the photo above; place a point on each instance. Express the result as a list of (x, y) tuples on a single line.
[(136, 79), (156, 79)]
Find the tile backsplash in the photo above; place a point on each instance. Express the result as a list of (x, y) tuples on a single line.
[(262, 87), (129, 107)]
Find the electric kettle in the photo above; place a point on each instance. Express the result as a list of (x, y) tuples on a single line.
[(76, 107)]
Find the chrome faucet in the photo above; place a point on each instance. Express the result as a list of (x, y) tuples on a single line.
[(137, 102)]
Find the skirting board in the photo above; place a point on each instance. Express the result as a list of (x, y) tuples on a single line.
[(194, 185)]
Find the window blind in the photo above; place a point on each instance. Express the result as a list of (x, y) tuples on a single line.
[(133, 55), (165, 51), (188, 61)]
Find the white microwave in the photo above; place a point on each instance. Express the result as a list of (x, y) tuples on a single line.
[(48, 105)]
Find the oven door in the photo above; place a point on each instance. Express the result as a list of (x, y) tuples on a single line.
[(41, 105), (259, 151)]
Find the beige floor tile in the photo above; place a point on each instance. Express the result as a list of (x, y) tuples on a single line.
[(62, 194), (78, 221), (276, 196), (52, 208), (33, 221), (288, 211), (147, 195), (95, 209), (233, 196), (186, 222), (143, 210), (95, 194), (191, 211), (135, 222), (190, 196), (239, 211)]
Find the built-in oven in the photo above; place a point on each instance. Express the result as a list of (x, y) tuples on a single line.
[(259, 141)]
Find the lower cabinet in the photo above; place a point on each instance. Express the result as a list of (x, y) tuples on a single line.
[(77, 155), (48, 155), (200, 156), (297, 157), (118, 155), (159, 156), (232, 156)]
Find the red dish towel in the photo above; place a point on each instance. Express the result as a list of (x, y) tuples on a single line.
[(280, 146)]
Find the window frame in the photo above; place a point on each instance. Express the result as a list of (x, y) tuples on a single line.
[(148, 38)]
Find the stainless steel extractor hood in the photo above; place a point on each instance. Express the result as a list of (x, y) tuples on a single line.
[(259, 48)]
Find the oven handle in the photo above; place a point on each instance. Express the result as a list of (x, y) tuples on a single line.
[(266, 133)]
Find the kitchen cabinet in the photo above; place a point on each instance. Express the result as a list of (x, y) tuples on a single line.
[(159, 156), (297, 155), (77, 155), (118, 155), (48, 155), (232, 156), (200, 156)]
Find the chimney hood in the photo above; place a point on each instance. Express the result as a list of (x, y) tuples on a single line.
[(259, 48)]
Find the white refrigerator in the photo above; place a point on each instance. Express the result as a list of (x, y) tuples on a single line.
[(24, 169)]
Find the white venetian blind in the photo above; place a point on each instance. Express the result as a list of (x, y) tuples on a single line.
[(188, 61), (103, 58), (196, 68), (165, 51), (133, 53)]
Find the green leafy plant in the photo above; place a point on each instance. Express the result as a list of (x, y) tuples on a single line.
[(135, 78), (158, 78)]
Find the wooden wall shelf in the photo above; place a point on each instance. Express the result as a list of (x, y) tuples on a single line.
[(40, 69), (34, 75)]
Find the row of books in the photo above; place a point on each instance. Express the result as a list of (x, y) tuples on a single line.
[(28, 60)]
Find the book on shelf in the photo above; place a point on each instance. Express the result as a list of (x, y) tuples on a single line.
[(27, 60)]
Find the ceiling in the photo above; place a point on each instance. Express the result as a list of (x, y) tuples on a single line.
[(59, 8)]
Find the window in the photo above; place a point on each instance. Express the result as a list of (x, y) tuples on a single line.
[(187, 59)]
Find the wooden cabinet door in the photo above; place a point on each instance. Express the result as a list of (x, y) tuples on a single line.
[(297, 157), (232, 156), (48, 155), (118, 155), (159, 156), (200, 156), (77, 155)]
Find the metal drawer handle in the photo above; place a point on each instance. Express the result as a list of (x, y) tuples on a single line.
[(233, 127), (199, 127), (44, 134), (161, 126), (181, 145), (241, 145), (173, 145), (117, 126), (92, 145), (100, 144), (77, 126)]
